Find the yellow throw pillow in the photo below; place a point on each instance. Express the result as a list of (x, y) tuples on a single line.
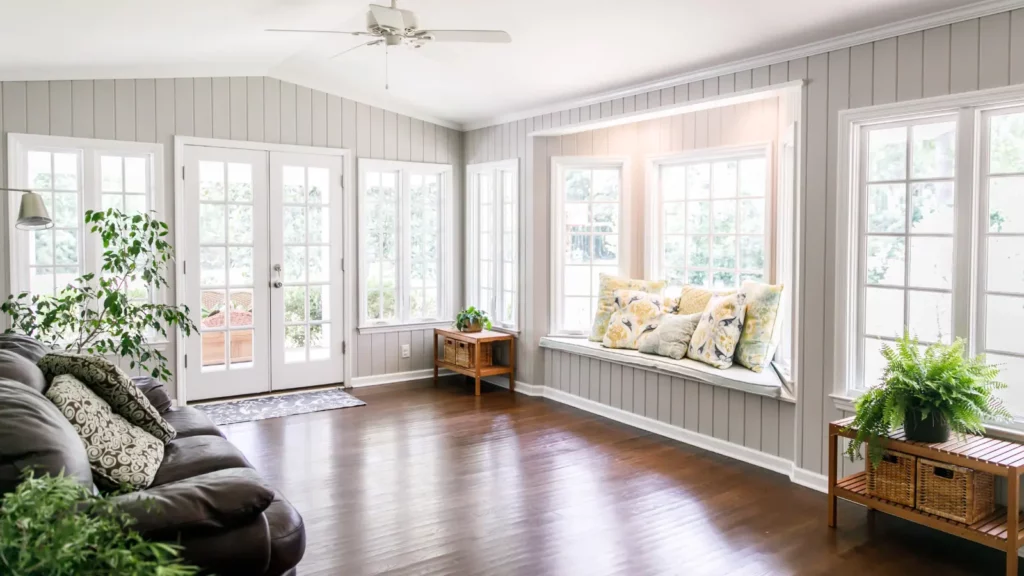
[(762, 326), (634, 311), (714, 341), (606, 299), (692, 300)]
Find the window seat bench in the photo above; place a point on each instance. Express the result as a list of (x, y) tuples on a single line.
[(766, 383)]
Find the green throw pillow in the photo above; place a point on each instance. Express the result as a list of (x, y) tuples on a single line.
[(669, 335), (111, 384), (120, 454)]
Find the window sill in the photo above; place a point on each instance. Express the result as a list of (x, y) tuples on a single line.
[(387, 328), (1013, 432), (504, 330), (845, 402), (766, 383)]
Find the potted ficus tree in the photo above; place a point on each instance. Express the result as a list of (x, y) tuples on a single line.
[(930, 393), (472, 320), (110, 313)]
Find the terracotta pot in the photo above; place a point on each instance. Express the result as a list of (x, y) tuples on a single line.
[(931, 430)]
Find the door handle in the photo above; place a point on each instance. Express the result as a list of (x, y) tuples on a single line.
[(277, 284), (277, 275)]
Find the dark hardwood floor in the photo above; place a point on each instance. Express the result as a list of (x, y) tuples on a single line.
[(437, 481)]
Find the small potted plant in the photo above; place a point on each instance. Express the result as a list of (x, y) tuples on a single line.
[(472, 320), (929, 393)]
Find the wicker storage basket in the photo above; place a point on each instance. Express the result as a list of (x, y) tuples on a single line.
[(465, 354), (449, 350), (954, 492), (893, 478)]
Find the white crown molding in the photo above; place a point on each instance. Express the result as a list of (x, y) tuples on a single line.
[(952, 16), (134, 71)]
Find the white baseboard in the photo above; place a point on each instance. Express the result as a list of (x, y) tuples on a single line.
[(809, 479), (395, 377), (521, 387)]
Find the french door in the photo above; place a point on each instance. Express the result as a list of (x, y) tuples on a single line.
[(263, 278)]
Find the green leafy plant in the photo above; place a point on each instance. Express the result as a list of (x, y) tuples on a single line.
[(939, 381), (110, 313), (471, 316), (53, 526)]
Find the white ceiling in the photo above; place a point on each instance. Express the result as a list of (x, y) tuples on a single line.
[(561, 49)]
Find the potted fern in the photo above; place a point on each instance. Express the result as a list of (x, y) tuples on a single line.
[(929, 393)]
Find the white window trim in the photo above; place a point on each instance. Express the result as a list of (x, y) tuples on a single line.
[(445, 296), (472, 248), (17, 147), (652, 220), (559, 165), (969, 107)]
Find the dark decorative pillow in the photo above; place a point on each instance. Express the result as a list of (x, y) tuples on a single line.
[(111, 384), (119, 453), (14, 366)]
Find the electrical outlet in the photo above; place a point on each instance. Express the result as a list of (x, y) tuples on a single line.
[(405, 351)]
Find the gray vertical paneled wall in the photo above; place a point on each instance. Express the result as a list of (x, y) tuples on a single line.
[(970, 55), (258, 109)]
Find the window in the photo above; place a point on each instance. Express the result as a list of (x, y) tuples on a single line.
[(405, 242), (912, 179), (492, 247), (708, 218), (74, 175), (589, 210)]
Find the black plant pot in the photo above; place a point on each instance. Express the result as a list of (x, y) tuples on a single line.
[(931, 430)]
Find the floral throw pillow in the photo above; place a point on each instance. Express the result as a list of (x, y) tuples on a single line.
[(692, 300), (120, 454), (668, 335), (761, 325), (634, 310), (714, 341), (111, 384), (606, 299)]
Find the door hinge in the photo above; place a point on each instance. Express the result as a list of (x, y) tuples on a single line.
[(182, 172), (186, 360), (184, 267), (342, 264), (344, 347)]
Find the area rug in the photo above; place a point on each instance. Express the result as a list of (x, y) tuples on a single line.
[(265, 407)]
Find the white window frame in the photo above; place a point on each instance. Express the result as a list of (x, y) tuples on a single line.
[(559, 165), (653, 238), (90, 198), (495, 170), (446, 272), (970, 222)]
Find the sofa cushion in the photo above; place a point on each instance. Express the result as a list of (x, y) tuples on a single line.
[(34, 435), (241, 551), (25, 346), (189, 422), (188, 457), (287, 535), (154, 391), (109, 382), (120, 453), (14, 366), (215, 501)]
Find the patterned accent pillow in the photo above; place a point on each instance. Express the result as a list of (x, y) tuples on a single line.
[(634, 310), (714, 341), (119, 453), (606, 299), (111, 384), (692, 300), (668, 335), (762, 327)]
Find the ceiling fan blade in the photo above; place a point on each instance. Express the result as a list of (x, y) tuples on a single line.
[(494, 36), (319, 31), (370, 43), (388, 17)]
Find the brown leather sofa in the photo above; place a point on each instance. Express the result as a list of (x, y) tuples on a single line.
[(206, 495)]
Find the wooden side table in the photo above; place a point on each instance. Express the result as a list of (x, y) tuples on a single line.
[(478, 339)]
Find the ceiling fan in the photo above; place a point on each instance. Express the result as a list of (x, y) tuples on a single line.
[(392, 26)]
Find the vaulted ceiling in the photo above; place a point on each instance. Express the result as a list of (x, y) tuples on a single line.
[(561, 49)]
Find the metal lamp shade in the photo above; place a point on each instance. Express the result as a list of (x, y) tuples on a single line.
[(33, 215)]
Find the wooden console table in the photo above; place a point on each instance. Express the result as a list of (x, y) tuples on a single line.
[(478, 339), (998, 530)]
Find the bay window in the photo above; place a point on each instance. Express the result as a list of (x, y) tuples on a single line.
[(492, 248), (404, 243)]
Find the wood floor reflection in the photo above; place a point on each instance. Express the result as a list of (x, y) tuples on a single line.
[(437, 481)]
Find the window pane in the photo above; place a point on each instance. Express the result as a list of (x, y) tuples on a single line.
[(1006, 153), (578, 315), (211, 223), (319, 339), (294, 184), (753, 175), (752, 216), (699, 278), (673, 218), (724, 179), (932, 208), (724, 216), (606, 185), (135, 175), (295, 304), (65, 244), (931, 316), (65, 171), (65, 210), (874, 363), (319, 225), (698, 217), (41, 247), (724, 252), (41, 281), (886, 260), (294, 224), (1012, 373), (39, 170), (294, 263), (111, 175), (319, 185), (887, 208), (698, 250), (887, 154), (577, 249), (576, 281), (1006, 204), (212, 268), (577, 185), (931, 262), (295, 343), (577, 217), (240, 182), (673, 183), (698, 181), (211, 181), (723, 280), (240, 224), (1005, 316), (135, 204), (883, 312), (752, 252), (319, 268), (934, 153), (240, 266), (606, 248), (606, 218)]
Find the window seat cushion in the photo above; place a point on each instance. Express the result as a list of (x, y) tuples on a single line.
[(766, 383)]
